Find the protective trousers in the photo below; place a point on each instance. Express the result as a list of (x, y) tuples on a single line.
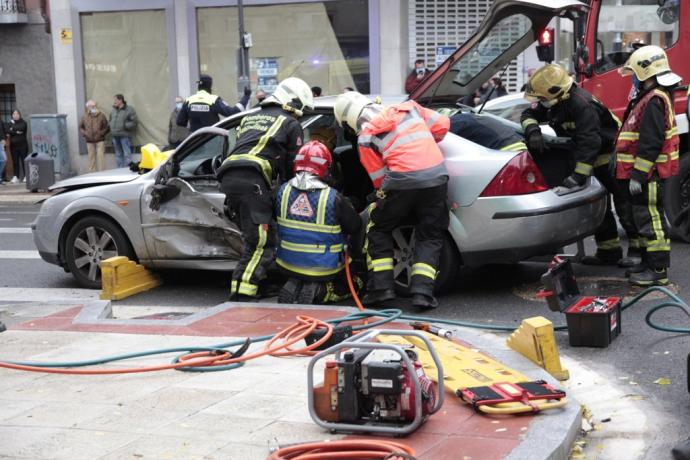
[(250, 199), (606, 235), (647, 209), (427, 210)]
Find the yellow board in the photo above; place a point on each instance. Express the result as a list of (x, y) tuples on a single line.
[(536, 341), (122, 278)]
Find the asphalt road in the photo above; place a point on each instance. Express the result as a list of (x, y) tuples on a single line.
[(499, 294)]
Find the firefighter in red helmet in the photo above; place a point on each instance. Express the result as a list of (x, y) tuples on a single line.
[(314, 221)]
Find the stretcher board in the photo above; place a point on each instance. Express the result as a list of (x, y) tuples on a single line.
[(467, 368)]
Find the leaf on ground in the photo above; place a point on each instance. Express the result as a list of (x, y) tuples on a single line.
[(662, 381)]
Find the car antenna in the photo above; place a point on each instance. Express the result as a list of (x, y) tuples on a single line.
[(500, 78)]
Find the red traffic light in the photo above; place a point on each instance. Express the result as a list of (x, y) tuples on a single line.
[(546, 37)]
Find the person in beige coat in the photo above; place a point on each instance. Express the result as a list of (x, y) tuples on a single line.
[(94, 127)]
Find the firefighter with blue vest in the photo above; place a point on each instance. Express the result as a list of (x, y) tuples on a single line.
[(314, 221), (205, 109), (647, 155), (267, 142)]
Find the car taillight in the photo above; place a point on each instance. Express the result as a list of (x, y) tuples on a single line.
[(519, 177)]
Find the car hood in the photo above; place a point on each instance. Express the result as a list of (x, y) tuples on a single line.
[(509, 27), (111, 176)]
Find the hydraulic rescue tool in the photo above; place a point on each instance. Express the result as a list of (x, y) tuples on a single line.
[(374, 387)]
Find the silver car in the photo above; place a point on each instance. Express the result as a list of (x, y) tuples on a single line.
[(502, 207)]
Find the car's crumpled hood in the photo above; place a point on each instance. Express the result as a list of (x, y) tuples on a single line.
[(111, 176)]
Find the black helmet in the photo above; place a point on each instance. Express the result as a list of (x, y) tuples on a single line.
[(205, 82)]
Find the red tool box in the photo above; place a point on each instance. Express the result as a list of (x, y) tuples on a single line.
[(592, 321)]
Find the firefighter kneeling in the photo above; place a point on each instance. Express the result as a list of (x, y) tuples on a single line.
[(647, 155), (313, 223)]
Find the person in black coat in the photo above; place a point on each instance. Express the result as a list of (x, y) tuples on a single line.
[(19, 145)]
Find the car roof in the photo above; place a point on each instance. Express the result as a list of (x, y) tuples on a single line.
[(328, 102)]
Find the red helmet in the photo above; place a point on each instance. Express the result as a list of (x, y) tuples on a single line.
[(313, 157)]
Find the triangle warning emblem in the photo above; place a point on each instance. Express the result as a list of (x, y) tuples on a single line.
[(301, 206)]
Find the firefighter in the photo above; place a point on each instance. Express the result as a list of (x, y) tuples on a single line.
[(314, 221), (267, 142), (573, 112), (205, 109), (397, 146), (647, 155)]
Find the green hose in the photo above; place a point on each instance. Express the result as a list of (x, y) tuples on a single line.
[(385, 316)]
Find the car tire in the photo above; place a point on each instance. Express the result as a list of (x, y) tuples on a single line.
[(89, 241), (403, 250), (677, 198)]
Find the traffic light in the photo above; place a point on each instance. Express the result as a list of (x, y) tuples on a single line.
[(545, 46)]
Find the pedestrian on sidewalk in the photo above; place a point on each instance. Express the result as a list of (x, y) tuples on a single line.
[(3, 155), (176, 133), (419, 73), (94, 127), (123, 124), (19, 145)]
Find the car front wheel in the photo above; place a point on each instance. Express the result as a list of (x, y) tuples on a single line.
[(90, 241)]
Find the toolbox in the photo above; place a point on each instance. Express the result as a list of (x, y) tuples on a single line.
[(592, 321)]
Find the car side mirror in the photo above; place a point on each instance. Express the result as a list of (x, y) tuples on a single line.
[(580, 58), (161, 193)]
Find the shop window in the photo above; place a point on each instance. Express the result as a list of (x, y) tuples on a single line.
[(127, 53), (8, 103), (622, 27), (324, 43)]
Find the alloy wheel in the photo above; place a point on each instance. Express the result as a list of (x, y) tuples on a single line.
[(93, 245)]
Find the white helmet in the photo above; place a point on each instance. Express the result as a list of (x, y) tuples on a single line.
[(292, 94), (349, 107)]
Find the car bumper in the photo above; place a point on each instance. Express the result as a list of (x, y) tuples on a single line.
[(46, 238)]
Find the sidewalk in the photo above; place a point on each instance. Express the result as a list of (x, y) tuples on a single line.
[(17, 193), (233, 414)]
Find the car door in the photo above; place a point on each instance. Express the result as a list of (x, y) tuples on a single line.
[(190, 229)]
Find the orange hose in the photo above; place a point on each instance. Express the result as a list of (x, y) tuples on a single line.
[(351, 449), (353, 291)]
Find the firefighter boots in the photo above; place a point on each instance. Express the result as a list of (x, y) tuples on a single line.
[(372, 298), (424, 301), (650, 277)]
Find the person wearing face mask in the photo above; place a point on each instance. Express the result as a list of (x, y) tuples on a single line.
[(647, 155), (93, 127), (123, 124), (573, 112), (176, 133), (19, 145)]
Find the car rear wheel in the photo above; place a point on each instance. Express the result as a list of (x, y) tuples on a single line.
[(677, 199), (89, 241), (403, 255)]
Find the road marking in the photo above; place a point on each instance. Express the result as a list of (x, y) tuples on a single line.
[(19, 255), (19, 212), (4, 220), (14, 230), (47, 294)]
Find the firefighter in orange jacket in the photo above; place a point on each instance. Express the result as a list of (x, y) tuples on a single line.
[(647, 155), (397, 146)]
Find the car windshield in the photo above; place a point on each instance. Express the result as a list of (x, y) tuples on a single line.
[(506, 33)]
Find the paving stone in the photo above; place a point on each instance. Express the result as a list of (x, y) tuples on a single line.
[(215, 426), (166, 447), (59, 414), (11, 408), (269, 407), (180, 399), (236, 451), (470, 448), (131, 420), (283, 433)]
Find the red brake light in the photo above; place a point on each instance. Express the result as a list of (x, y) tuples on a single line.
[(546, 37), (519, 177)]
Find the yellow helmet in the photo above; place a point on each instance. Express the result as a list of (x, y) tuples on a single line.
[(650, 61), (151, 156), (549, 83), (348, 108), (293, 94)]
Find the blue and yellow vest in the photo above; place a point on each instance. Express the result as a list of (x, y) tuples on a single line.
[(311, 241)]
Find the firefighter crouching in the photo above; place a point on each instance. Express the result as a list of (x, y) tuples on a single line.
[(647, 155), (314, 221), (205, 109), (397, 146), (573, 112), (266, 145)]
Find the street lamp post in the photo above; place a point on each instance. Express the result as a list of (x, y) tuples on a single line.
[(243, 61)]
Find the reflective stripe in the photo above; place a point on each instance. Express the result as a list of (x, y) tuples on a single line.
[(608, 245), (408, 120), (314, 271), (202, 97), (321, 208), (667, 100), (380, 265), (628, 136), (337, 248), (433, 118), (583, 168), (269, 134), (654, 214), (370, 224), (634, 243), (529, 121), (308, 226), (264, 164), (365, 140), (625, 158), (284, 198), (658, 246), (672, 132), (299, 247), (406, 139), (256, 257), (424, 270), (517, 146), (378, 173), (663, 158), (569, 125), (643, 165), (602, 160), (243, 288)]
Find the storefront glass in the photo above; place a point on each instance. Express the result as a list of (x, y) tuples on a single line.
[(127, 53), (324, 43)]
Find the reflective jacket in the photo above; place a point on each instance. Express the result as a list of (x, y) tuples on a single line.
[(311, 239), (204, 109), (648, 140), (582, 117), (398, 147)]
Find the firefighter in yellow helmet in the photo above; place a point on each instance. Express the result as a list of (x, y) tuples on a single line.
[(647, 155), (573, 112)]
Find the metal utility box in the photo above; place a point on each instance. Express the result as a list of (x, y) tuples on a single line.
[(40, 172), (49, 137)]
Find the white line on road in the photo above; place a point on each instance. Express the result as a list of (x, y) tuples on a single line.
[(14, 230), (19, 212), (19, 255), (47, 294), (5, 220)]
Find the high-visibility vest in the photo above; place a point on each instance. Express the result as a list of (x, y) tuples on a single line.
[(628, 141), (311, 241), (400, 142)]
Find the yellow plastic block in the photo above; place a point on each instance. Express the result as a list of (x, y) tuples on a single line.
[(122, 278), (535, 340)]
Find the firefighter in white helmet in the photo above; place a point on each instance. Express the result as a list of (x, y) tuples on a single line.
[(267, 142)]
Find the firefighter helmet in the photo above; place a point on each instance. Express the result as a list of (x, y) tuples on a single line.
[(650, 61), (548, 83), (293, 94), (313, 157), (349, 107)]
